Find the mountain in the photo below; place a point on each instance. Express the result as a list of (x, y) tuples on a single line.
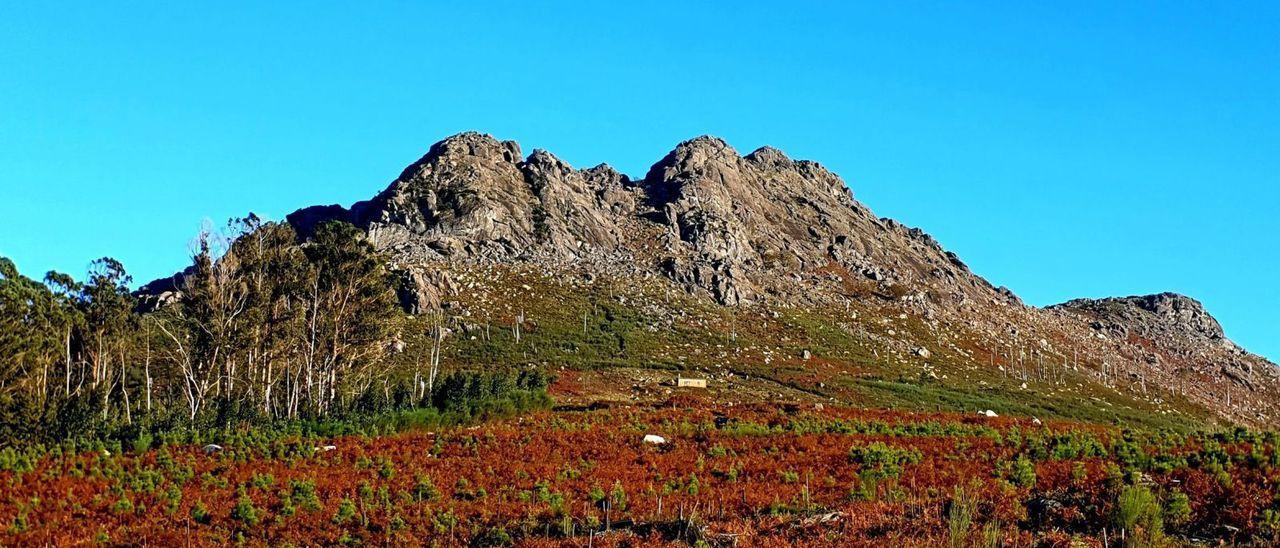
[(876, 311)]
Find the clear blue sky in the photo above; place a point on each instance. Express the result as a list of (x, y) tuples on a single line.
[(1088, 149)]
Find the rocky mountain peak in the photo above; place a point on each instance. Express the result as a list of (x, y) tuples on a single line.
[(1184, 311), (717, 221), (462, 145), (770, 156), (1161, 315), (472, 143), (769, 230), (681, 170)]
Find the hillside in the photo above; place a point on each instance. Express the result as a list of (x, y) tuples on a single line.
[(767, 267), (863, 386)]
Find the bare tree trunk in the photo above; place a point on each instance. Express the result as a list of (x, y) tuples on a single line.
[(519, 321), (146, 369), (333, 388), (97, 363), (266, 390), (312, 393), (67, 342), (124, 389), (44, 380), (105, 378), (436, 342)]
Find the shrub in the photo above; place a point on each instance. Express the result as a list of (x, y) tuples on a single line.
[(1269, 523), (618, 497), (244, 511), (1078, 472), (172, 497), (303, 493), (960, 513), (884, 461), (19, 523), (262, 481), (200, 514), (142, 443), (287, 506), (1024, 473), (1130, 453), (346, 511), (424, 489), (866, 486), (1138, 514), (123, 505), (1177, 509), (991, 535), (496, 536)]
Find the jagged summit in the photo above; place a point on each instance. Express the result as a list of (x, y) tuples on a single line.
[(1161, 315), (768, 230), (769, 155), (720, 219)]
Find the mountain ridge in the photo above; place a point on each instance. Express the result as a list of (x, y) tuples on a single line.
[(765, 229)]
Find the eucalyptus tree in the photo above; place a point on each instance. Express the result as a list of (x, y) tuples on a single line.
[(110, 326), (350, 304), (69, 320), (28, 346)]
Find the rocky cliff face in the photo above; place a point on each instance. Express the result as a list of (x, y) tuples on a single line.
[(1170, 318), (1176, 333), (705, 216), (764, 228), (746, 222)]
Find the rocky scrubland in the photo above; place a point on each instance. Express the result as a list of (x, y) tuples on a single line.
[(764, 232), (719, 475), (486, 353)]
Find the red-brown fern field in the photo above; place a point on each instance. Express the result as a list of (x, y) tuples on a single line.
[(744, 475)]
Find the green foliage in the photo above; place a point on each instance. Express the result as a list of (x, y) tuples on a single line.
[(123, 505), (172, 497), (244, 511), (1138, 513), (1177, 509), (1269, 523), (346, 511), (288, 508), (960, 515), (1129, 452), (882, 460), (386, 470), (81, 360), (200, 514), (142, 443), (992, 536), (926, 396), (618, 497), (424, 490), (1023, 473), (494, 536), (303, 493), (262, 481)]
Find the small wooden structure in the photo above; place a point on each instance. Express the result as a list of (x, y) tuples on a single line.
[(684, 382)]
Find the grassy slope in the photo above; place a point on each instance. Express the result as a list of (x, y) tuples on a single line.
[(649, 325)]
